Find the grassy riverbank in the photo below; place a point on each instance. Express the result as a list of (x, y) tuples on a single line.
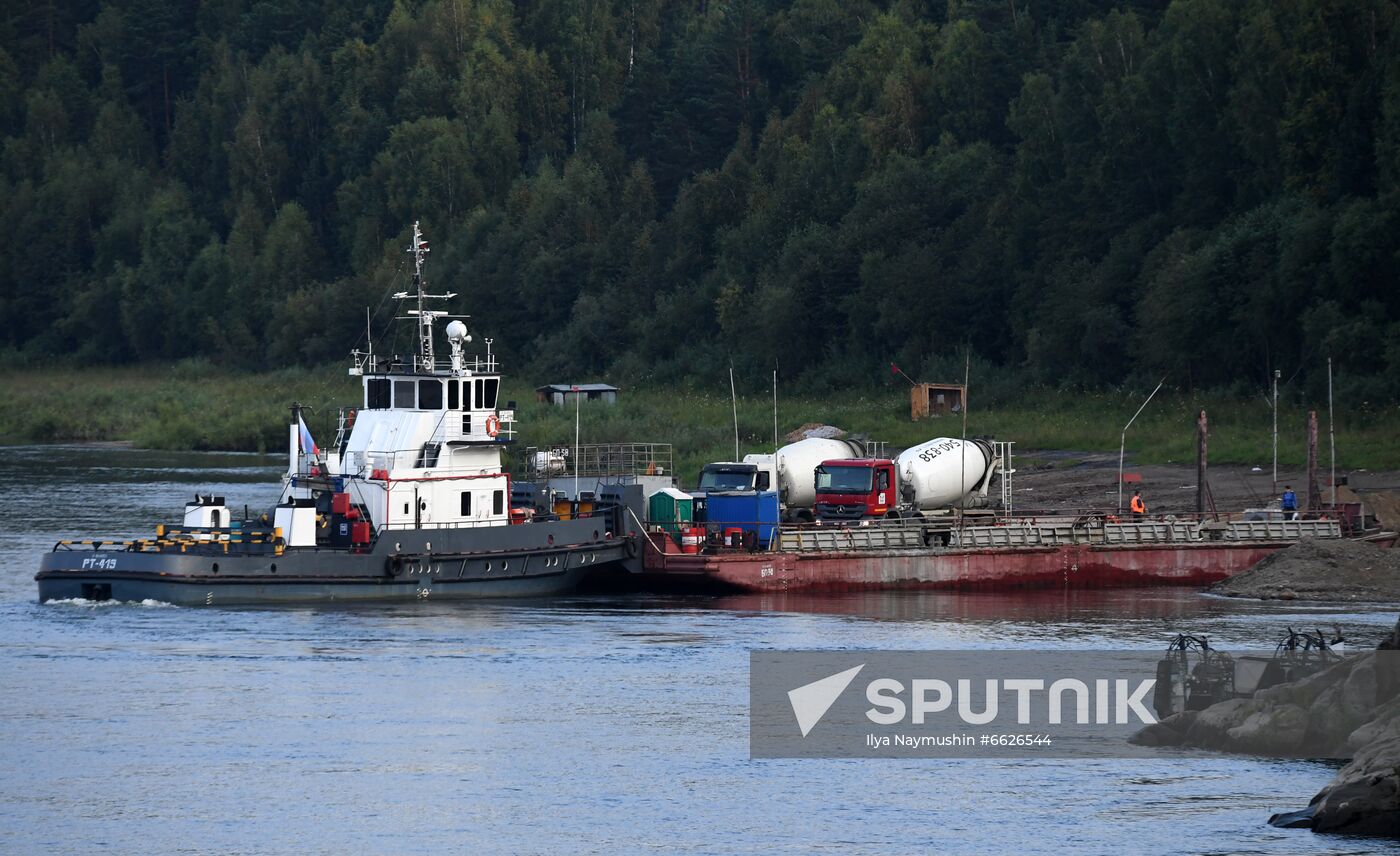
[(197, 406)]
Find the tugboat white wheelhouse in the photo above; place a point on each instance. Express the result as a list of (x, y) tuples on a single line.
[(410, 502)]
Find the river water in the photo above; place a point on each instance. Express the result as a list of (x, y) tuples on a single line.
[(607, 723)]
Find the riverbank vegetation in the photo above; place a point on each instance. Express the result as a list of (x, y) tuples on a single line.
[(1086, 195), (196, 406)]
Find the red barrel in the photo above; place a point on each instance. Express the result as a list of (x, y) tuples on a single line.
[(692, 539), (359, 532), (733, 536)]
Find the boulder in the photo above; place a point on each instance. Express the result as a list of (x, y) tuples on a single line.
[(1384, 724), (1358, 695), (1211, 727), (1170, 731), (1270, 730), (1330, 724), (1364, 797)]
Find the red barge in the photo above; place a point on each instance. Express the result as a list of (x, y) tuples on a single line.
[(1007, 554)]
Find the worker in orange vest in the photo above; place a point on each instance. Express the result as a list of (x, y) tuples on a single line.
[(1137, 506)]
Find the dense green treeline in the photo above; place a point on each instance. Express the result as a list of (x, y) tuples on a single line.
[(1083, 193)]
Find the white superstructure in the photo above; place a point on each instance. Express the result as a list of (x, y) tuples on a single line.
[(424, 449)]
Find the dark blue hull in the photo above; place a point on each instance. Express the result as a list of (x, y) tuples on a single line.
[(228, 591), (534, 560)]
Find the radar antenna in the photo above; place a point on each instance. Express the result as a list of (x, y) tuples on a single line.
[(419, 250)]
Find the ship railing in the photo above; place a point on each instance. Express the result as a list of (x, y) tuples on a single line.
[(460, 426), (888, 535), (985, 531), (1277, 530), (488, 523), (598, 512), (363, 363), (365, 464), (91, 544), (598, 460), (188, 538)]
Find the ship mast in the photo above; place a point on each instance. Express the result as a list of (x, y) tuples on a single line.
[(425, 317)]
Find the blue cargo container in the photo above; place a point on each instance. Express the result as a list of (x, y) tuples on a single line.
[(753, 511)]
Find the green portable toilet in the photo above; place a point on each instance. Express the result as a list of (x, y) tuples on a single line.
[(670, 509)]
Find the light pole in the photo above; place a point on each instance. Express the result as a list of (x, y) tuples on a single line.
[(1123, 439), (734, 402), (577, 397)]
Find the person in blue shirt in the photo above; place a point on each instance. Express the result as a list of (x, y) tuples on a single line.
[(1289, 503)]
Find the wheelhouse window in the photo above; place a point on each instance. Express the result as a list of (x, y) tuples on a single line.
[(498, 502), (466, 503), (477, 396), (452, 394), (405, 397), (377, 394), (492, 385), (429, 394)]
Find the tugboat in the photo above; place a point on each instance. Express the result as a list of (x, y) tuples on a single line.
[(411, 502)]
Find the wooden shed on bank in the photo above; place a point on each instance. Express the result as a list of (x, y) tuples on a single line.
[(936, 399)]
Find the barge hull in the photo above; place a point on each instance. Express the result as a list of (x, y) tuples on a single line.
[(1068, 566)]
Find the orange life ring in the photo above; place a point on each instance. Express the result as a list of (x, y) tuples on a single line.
[(493, 425)]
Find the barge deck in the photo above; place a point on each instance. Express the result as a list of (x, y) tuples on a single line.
[(1021, 554)]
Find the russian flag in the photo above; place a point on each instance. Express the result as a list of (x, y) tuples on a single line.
[(307, 444)]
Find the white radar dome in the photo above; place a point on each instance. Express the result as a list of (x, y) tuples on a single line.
[(457, 332)]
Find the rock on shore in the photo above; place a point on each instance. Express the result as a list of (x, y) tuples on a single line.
[(1330, 569), (1348, 710)]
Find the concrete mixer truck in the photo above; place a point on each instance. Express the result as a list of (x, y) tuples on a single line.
[(791, 472), (940, 474)]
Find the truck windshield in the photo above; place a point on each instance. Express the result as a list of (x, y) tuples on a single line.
[(843, 479), (714, 480)]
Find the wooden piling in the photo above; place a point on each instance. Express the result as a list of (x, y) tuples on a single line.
[(1202, 432), (1314, 491)]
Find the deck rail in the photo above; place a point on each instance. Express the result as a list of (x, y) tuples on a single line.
[(598, 459), (989, 532)]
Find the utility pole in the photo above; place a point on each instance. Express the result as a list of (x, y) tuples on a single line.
[(1314, 500), (1331, 431), (578, 396), (1276, 376), (1202, 433), (962, 453)]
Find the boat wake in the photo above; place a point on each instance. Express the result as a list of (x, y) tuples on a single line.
[(92, 604)]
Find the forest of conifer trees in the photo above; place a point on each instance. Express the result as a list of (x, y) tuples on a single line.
[(1080, 193)]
